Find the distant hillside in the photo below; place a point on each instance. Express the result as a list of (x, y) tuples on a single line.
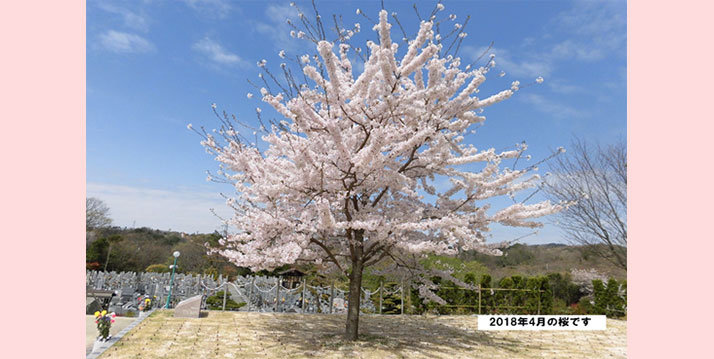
[(541, 259), (135, 249)]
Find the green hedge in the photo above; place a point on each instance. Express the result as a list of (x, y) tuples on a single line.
[(529, 296), (609, 299), (215, 302)]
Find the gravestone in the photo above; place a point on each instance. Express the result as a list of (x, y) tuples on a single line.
[(189, 308), (339, 305), (93, 306)]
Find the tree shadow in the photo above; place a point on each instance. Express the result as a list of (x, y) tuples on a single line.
[(393, 335)]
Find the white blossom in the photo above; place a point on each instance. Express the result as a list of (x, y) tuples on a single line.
[(350, 158)]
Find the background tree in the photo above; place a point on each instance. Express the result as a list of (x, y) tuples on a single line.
[(140, 248), (193, 257), (97, 214), (347, 177), (112, 241), (595, 177)]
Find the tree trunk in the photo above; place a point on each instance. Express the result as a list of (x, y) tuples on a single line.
[(353, 304), (109, 251)]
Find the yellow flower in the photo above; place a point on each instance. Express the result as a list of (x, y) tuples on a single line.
[(96, 314), (104, 312), (148, 300)]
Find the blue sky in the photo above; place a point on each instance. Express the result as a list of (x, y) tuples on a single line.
[(155, 66)]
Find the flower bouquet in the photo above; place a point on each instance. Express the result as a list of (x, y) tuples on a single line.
[(104, 322), (145, 304)]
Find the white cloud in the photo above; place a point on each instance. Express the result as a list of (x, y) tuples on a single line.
[(580, 51), (544, 235), (216, 53), (122, 42), (180, 210), (527, 69), (131, 19), (596, 30), (589, 31), (562, 87), (216, 8), (555, 109), (278, 29)]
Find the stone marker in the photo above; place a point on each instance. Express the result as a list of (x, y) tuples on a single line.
[(189, 308), (93, 306), (339, 305)]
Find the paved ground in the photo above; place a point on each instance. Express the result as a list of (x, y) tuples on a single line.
[(92, 332), (269, 335)]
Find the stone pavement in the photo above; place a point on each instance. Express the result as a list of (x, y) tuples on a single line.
[(283, 335), (120, 327)]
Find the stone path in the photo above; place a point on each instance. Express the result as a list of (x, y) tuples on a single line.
[(120, 327), (279, 335)]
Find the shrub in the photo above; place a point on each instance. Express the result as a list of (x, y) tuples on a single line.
[(157, 268), (564, 288), (610, 299), (391, 303), (215, 302), (586, 305)]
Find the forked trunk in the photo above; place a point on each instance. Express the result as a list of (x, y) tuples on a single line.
[(352, 329)]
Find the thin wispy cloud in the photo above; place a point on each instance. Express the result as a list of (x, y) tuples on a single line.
[(178, 209), (216, 53), (598, 30), (278, 30), (552, 108), (561, 87), (211, 8), (588, 32), (527, 68), (133, 20), (122, 42)]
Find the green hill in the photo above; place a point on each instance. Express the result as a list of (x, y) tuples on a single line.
[(137, 249), (531, 260)]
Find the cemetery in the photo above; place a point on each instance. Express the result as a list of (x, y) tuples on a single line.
[(289, 317)]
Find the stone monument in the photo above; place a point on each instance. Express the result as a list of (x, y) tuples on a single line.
[(93, 306), (189, 308)]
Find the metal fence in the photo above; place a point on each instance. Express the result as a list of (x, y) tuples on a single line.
[(278, 294)]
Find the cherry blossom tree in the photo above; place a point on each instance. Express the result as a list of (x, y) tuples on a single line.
[(348, 177)]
